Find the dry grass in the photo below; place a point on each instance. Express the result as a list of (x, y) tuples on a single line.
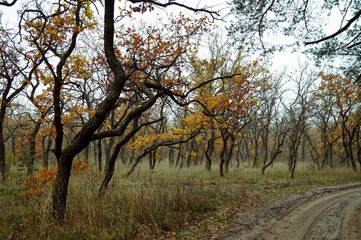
[(165, 203)]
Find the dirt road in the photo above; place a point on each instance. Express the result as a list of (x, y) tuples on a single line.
[(328, 213)]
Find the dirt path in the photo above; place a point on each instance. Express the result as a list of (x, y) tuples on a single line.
[(327, 213)]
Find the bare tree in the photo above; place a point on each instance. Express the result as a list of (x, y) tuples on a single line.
[(298, 113)]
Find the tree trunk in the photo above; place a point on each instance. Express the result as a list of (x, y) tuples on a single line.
[(196, 159), (221, 170), (99, 146), (294, 167), (349, 154), (95, 153), (83, 137), (209, 152), (290, 157), (32, 147), (2, 159), (132, 155), (350, 158), (86, 153), (30, 162), (170, 157), (2, 143), (291, 161), (274, 156), (152, 159), (61, 183), (277, 150), (331, 155), (181, 163), (347, 140), (179, 155), (265, 146), (293, 149), (295, 143), (358, 146), (229, 154), (224, 151), (13, 149), (111, 161), (325, 147), (237, 156), (46, 149), (109, 170), (247, 152), (108, 148), (255, 159), (325, 157), (189, 153), (303, 148), (57, 118)]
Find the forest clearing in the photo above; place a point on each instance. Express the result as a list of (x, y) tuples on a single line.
[(169, 119), (166, 203)]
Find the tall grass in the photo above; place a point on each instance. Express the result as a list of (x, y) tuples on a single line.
[(152, 204)]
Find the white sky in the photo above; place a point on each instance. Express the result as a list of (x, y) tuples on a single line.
[(280, 60)]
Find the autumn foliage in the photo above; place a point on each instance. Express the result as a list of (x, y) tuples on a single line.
[(43, 180), (129, 90)]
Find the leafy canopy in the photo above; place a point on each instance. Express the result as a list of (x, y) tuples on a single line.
[(305, 23)]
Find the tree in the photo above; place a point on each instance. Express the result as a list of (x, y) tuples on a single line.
[(344, 96), (269, 96), (43, 104), (326, 120), (14, 77), (153, 61), (228, 105), (304, 23), (280, 134), (121, 79), (298, 113)]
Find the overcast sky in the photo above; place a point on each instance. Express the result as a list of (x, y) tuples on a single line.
[(281, 60)]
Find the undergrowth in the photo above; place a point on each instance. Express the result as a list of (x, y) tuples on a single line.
[(166, 203)]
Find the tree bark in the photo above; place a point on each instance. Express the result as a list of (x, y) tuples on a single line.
[(224, 152), (109, 171), (13, 149), (2, 160), (209, 151), (229, 153), (171, 156), (86, 153), (46, 149), (152, 159), (179, 155), (2, 144), (32, 147), (347, 138), (189, 153), (99, 147), (82, 139)]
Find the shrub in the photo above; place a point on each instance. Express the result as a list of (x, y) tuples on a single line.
[(44, 178)]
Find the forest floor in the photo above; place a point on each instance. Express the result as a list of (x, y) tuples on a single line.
[(325, 213), (173, 203)]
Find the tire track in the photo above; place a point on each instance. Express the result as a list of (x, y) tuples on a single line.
[(329, 213), (323, 218)]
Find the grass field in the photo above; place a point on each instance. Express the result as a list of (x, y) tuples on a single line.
[(166, 203)]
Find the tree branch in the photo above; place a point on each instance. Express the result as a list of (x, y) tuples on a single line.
[(8, 4), (157, 145), (261, 21), (172, 2), (341, 30)]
